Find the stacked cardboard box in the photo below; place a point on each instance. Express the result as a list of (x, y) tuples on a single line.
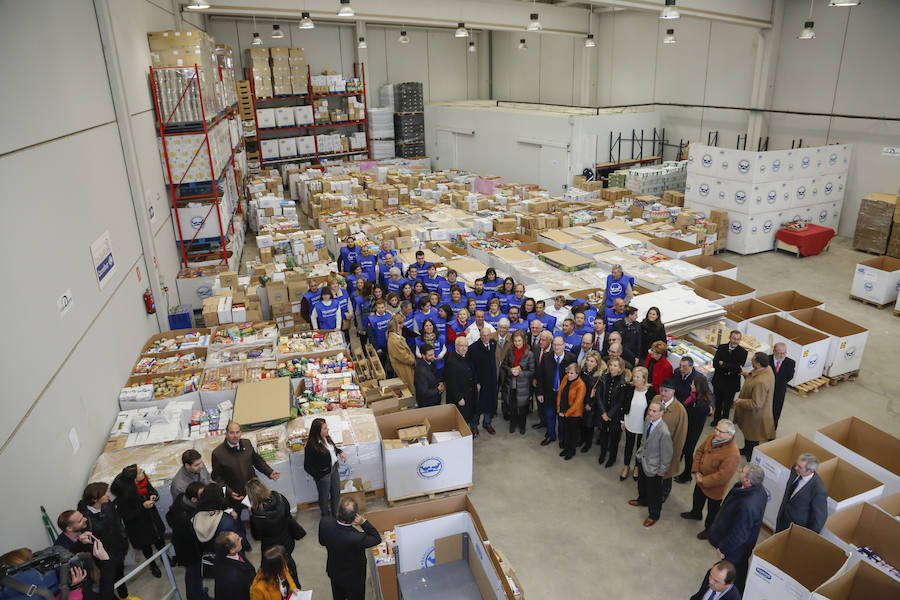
[(281, 71), (258, 61), (187, 49), (873, 225), (299, 71)]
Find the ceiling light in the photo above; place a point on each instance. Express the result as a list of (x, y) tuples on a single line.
[(534, 24), (461, 30), (346, 10), (197, 5), (523, 45), (257, 41), (669, 11), (844, 3), (306, 22), (277, 33), (471, 46), (403, 39), (808, 32), (589, 41), (669, 38), (362, 45)]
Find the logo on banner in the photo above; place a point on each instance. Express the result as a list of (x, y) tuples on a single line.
[(850, 352), (736, 226), (828, 188), (744, 166), (615, 288), (740, 196), (704, 189), (804, 162), (772, 196), (707, 160), (204, 291), (812, 360), (428, 560), (197, 222), (767, 226), (430, 467), (801, 192), (344, 470), (776, 165), (763, 573)]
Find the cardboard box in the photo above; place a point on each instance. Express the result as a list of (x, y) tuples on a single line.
[(877, 280), (890, 505), (731, 289), (867, 526), (791, 564), (873, 224), (359, 495), (789, 301), (865, 446), (566, 260), (737, 315), (714, 264), (847, 485), (415, 470), (848, 340), (263, 403), (859, 582), (777, 458), (675, 248), (806, 346), (277, 292)]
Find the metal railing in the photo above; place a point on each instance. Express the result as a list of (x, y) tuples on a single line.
[(162, 555)]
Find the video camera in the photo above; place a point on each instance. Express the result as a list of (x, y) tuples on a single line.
[(45, 574)]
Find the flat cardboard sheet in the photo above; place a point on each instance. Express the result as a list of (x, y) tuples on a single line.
[(263, 402)]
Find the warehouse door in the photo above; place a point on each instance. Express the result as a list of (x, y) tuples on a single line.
[(445, 157), (554, 169)]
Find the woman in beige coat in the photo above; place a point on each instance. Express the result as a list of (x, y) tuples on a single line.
[(403, 360), (753, 408)]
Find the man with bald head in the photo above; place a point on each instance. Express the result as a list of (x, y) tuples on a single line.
[(783, 367), (550, 372), (233, 462)]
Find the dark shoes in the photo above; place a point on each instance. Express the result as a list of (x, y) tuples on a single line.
[(691, 516), (648, 522), (564, 452), (154, 569), (570, 455), (702, 535), (610, 462), (636, 502), (521, 429), (683, 479), (547, 442), (586, 447), (512, 426), (490, 430), (538, 426)]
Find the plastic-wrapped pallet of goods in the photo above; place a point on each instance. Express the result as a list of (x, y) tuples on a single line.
[(381, 123)]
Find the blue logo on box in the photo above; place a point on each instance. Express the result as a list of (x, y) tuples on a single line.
[(849, 353), (428, 560), (804, 162), (763, 573), (776, 165), (828, 188), (740, 197), (736, 226), (823, 216), (197, 222), (801, 192), (707, 160), (344, 471), (744, 166), (430, 467), (772, 196), (868, 286), (204, 291), (812, 360), (767, 226), (704, 189)]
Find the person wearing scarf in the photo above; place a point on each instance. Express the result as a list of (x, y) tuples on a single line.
[(518, 369), (570, 407), (715, 463)]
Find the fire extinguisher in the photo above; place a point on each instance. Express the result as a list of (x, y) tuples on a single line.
[(149, 305)]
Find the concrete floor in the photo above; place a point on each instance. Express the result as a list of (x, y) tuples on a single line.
[(566, 526)]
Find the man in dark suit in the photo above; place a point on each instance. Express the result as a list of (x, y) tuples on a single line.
[(728, 362), (630, 330), (233, 464), (718, 584), (234, 573), (783, 367), (540, 347), (427, 381), (805, 499), (550, 373), (346, 564)]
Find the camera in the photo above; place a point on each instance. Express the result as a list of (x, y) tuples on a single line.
[(45, 574)]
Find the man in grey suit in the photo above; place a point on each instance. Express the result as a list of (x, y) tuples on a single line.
[(805, 499), (655, 455)]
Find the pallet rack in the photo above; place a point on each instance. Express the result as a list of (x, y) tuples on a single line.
[(210, 190), (309, 98)]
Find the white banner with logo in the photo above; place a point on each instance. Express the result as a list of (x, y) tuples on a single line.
[(421, 469)]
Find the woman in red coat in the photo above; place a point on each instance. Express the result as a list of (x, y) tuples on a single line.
[(457, 327), (657, 364)]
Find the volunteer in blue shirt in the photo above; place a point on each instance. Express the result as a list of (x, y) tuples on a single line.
[(346, 312), (590, 313), (369, 264), (526, 310), (572, 339), (444, 317), (618, 286), (457, 300), (581, 325), (421, 266), (326, 314), (429, 335), (518, 298), (432, 280), (412, 273), (348, 255), (548, 321), (480, 295), (394, 281), (615, 313), (425, 311), (506, 292), (514, 321), (361, 298), (377, 325), (494, 314), (446, 286), (309, 300), (385, 251), (384, 269), (491, 282), (354, 273)]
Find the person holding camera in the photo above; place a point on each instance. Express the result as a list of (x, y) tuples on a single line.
[(104, 523), (136, 504), (21, 577), (272, 524), (346, 545)]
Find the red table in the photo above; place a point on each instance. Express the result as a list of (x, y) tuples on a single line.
[(808, 242)]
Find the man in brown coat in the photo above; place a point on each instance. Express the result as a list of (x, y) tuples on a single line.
[(753, 408), (402, 358), (233, 464), (715, 463), (676, 420)]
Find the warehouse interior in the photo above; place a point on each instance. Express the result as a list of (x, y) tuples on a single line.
[(81, 159)]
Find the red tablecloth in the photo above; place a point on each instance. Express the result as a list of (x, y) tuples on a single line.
[(810, 242)]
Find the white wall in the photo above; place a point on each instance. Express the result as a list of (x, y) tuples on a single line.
[(65, 184)]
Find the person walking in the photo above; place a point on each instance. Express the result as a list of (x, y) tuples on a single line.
[(655, 454), (320, 461), (272, 524), (570, 407), (713, 465), (136, 504), (518, 369), (346, 546)]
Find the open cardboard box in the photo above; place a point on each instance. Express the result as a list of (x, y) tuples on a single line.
[(848, 340), (193, 396), (867, 526), (789, 301), (707, 294), (777, 459), (791, 564), (808, 347), (385, 576), (167, 335), (859, 582), (263, 403), (732, 289), (415, 470), (714, 264), (737, 315), (890, 505), (865, 446), (449, 550), (675, 248), (876, 279), (537, 248), (847, 485)]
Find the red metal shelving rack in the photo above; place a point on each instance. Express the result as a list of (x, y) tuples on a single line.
[(201, 127)]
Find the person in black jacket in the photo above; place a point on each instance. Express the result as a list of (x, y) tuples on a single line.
[(727, 362), (271, 522), (427, 380), (184, 539), (234, 573), (136, 504), (592, 368), (346, 564), (652, 329), (609, 400), (631, 333), (484, 359), (320, 461), (805, 500), (698, 405), (104, 523), (459, 373), (719, 579), (783, 367), (550, 372), (213, 517)]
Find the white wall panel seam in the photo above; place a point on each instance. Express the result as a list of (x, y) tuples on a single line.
[(56, 139), (837, 80)]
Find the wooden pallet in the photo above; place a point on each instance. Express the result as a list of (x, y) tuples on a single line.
[(416, 498), (869, 302), (849, 376), (370, 495), (810, 386), (872, 252), (897, 313)]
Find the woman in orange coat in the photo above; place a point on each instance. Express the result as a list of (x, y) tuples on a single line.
[(570, 406), (273, 581)]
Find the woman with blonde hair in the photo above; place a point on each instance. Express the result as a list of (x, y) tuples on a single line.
[(570, 407), (273, 581), (631, 412), (271, 522), (616, 377), (592, 368)]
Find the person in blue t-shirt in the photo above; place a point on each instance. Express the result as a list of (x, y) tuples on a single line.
[(615, 313), (457, 300), (435, 300), (385, 250), (384, 269), (361, 299), (412, 273), (444, 317), (480, 295), (491, 282), (493, 314), (410, 329), (419, 291), (425, 311), (472, 307), (355, 272), (548, 321), (568, 334), (326, 314), (395, 281), (309, 300), (446, 286), (377, 326), (348, 254), (526, 311), (406, 292), (429, 335), (432, 280), (369, 264), (506, 292), (421, 266), (514, 321), (618, 286), (581, 325)]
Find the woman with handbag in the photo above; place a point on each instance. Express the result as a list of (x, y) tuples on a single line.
[(273, 581), (320, 460), (518, 368), (271, 522), (136, 504)]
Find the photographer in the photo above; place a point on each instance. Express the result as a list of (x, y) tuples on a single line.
[(136, 504), (104, 523), (21, 569)]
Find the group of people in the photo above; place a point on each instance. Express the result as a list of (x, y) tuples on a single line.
[(206, 525)]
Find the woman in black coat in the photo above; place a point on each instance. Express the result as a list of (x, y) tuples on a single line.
[(518, 369), (320, 461), (606, 410), (652, 329), (460, 382), (698, 406), (271, 522), (592, 368), (484, 358), (136, 504)]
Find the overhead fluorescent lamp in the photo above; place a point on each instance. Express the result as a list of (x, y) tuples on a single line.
[(306, 22), (669, 11), (346, 10), (461, 30)]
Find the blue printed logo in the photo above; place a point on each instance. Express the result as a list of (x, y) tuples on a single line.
[(804, 162), (828, 188), (869, 286), (772, 196), (615, 288), (823, 216), (430, 467), (832, 159), (704, 189), (801, 192), (744, 166), (204, 291), (811, 362), (197, 222), (767, 226), (707, 160), (428, 559), (736, 227), (344, 471), (849, 353), (763, 573), (740, 196), (776, 165)]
